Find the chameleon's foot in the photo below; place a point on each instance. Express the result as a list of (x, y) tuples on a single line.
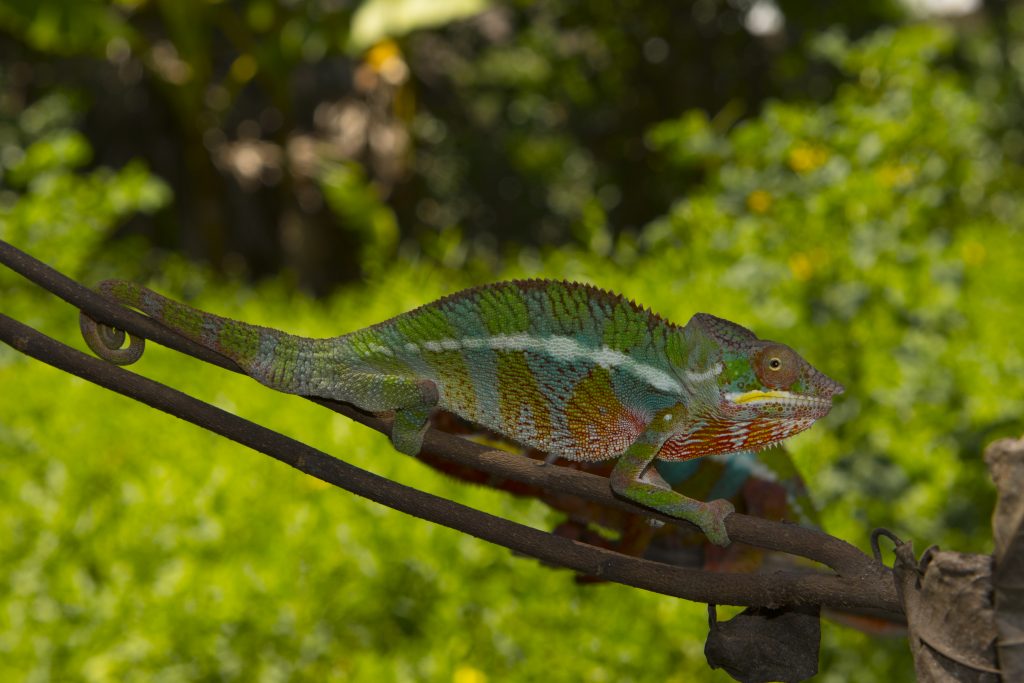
[(408, 429), (630, 480), (710, 517)]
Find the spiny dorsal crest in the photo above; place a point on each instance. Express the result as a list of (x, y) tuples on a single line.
[(608, 298)]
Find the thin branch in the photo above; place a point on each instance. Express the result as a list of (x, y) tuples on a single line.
[(853, 565), (693, 584), (844, 558)]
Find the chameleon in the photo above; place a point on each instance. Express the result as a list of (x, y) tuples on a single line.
[(567, 368)]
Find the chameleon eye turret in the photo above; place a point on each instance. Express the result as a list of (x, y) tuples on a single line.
[(777, 366)]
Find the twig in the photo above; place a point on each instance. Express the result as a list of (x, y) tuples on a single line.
[(867, 583), (692, 584), (844, 558)]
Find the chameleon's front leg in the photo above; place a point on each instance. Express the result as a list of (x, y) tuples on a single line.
[(628, 480)]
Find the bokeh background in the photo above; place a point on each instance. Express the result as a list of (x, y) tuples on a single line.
[(842, 176)]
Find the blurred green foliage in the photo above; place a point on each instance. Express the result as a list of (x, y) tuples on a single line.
[(45, 203), (876, 231), (500, 121)]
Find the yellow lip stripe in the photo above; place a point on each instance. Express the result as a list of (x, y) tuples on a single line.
[(757, 395)]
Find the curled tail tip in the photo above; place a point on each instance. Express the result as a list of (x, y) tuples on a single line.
[(106, 341)]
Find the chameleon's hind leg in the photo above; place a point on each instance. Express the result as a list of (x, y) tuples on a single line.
[(412, 401), (408, 428), (629, 480)]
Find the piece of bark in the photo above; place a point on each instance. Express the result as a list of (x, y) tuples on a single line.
[(761, 644), (1005, 461), (948, 602)]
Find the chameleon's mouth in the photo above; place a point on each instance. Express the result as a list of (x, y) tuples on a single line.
[(776, 397)]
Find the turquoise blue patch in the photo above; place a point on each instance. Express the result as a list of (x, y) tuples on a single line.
[(738, 468), (676, 471)]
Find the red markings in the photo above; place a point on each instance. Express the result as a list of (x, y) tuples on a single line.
[(722, 436)]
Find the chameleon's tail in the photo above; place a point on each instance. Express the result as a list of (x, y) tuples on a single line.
[(282, 361)]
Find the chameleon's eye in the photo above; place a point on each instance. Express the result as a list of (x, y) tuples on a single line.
[(777, 366)]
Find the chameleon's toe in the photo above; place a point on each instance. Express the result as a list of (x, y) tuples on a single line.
[(711, 520)]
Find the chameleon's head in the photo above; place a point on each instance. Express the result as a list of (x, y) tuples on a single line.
[(765, 391)]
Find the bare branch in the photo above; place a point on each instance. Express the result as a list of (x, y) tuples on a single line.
[(864, 582), (739, 589)]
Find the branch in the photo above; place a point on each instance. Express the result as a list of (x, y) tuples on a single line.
[(863, 583), (740, 589)]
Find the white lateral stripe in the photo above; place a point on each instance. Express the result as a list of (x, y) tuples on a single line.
[(561, 348), (712, 372)]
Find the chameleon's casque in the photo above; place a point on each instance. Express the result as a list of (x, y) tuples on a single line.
[(567, 368)]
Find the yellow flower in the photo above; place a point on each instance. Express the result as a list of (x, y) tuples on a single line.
[(801, 266), (759, 201), (385, 58), (805, 158), (468, 674), (896, 175), (378, 55)]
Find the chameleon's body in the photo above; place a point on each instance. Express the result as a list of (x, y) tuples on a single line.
[(567, 368)]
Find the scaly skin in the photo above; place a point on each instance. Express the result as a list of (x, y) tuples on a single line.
[(567, 368)]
